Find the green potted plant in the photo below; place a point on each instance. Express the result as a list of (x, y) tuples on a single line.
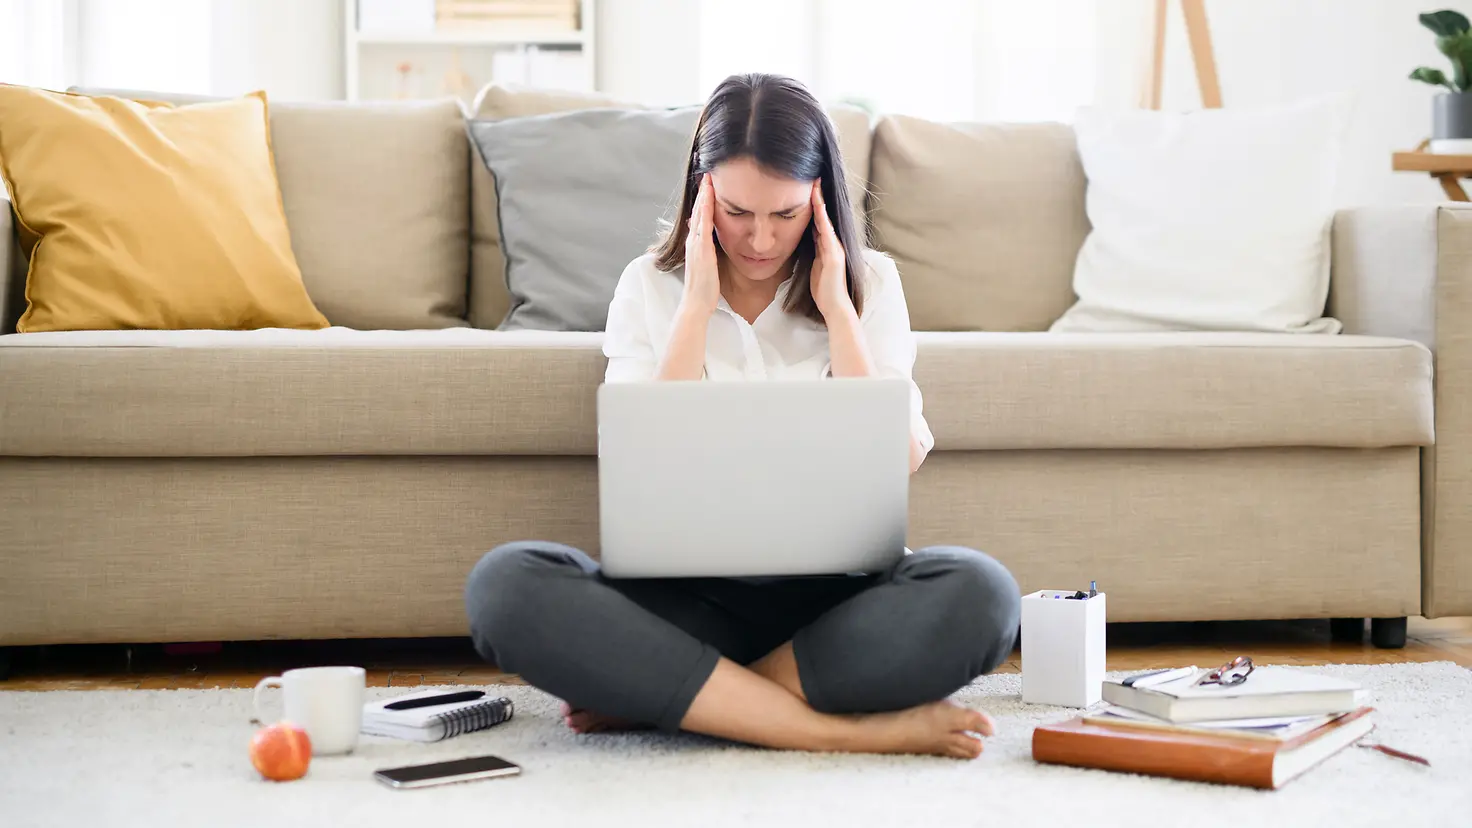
[(1451, 111)]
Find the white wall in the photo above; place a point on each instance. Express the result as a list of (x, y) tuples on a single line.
[(648, 51), (1035, 61), (145, 44), (737, 36), (1271, 52), (293, 49), (1042, 59), (915, 57), (944, 59), (290, 48)]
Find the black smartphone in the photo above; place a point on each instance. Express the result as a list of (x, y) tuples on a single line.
[(444, 773)]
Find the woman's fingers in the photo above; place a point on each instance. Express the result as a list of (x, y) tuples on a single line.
[(697, 210), (707, 204), (820, 208)]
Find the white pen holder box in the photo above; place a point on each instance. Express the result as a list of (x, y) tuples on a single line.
[(1062, 648)]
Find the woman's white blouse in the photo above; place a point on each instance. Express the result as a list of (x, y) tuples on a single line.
[(779, 346)]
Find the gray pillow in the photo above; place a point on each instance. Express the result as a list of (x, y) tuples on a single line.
[(581, 194)]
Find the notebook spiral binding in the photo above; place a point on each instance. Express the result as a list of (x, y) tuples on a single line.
[(476, 717)]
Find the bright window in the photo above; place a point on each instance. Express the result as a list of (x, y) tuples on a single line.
[(37, 41)]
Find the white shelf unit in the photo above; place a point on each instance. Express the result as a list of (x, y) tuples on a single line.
[(371, 57)]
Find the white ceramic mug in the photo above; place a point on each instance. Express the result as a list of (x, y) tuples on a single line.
[(326, 702)]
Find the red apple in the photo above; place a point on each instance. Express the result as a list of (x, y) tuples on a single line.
[(281, 752)]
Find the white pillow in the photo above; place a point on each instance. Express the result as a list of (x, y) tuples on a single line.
[(1212, 220)]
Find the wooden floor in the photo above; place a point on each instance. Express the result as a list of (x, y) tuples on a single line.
[(410, 662)]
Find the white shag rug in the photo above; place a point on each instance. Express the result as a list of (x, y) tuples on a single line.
[(178, 757)]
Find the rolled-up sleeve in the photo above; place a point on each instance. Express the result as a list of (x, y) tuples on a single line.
[(626, 340), (886, 323)]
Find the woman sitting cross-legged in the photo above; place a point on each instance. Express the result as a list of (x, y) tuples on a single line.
[(766, 250)]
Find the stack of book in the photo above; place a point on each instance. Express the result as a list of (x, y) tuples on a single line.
[(545, 16), (1260, 733)]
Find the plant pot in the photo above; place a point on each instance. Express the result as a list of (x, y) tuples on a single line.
[(1451, 122)]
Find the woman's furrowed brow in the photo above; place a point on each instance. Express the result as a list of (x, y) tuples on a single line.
[(732, 206)]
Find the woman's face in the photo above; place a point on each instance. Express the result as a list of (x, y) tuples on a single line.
[(760, 218)]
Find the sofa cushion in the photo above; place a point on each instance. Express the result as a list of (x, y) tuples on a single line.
[(580, 195), (276, 392), (377, 201), (1217, 220), (148, 216), (463, 391), (984, 220), (1173, 390), (490, 299)]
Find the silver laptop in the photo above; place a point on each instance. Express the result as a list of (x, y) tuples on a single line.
[(743, 479)]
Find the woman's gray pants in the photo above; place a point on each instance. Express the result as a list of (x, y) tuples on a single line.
[(641, 649)]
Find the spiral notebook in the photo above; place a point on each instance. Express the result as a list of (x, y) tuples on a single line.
[(432, 724)]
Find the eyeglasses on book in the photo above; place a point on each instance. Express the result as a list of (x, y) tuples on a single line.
[(1230, 674)]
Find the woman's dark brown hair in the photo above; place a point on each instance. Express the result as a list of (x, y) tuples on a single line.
[(778, 123)]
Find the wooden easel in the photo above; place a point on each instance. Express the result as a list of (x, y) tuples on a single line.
[(1199, 34)]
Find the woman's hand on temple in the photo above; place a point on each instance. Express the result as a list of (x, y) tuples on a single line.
[(684, 358), (702, 278), (830, 266)]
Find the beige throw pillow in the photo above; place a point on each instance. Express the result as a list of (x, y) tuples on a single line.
[(984, 220)]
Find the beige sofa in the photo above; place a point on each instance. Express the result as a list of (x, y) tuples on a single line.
[(171, 486)]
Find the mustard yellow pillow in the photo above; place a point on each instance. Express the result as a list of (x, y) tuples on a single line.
[(147, 215)]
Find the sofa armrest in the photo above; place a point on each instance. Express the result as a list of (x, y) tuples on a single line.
[(12, 281), (1384, 271), (1406, 271)]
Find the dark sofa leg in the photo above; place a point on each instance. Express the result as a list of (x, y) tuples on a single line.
[(7, 660), (1346, 630), (1388, 633)]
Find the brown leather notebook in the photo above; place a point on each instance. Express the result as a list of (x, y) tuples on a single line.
[(1197, 756)]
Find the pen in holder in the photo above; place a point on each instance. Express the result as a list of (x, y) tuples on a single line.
[(1063, 647)]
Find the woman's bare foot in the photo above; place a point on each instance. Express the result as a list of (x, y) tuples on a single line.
[(740, 705), (586, 721), (940, 728)]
